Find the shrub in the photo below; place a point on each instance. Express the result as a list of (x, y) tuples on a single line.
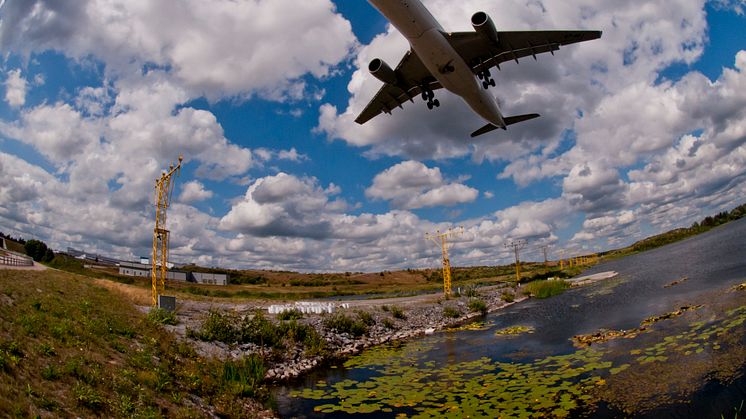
[(545, 289), (451, 312), (478, 305), (291, 314), (158, 315), (507, 296), (219, 326), (343, 324), (385, 308), (388, 324), (259, 330), (366, 318), (397, 313)]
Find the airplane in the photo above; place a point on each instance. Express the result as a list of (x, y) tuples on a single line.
[(451, 60)]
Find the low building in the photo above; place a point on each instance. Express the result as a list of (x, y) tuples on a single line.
[(143, 270)]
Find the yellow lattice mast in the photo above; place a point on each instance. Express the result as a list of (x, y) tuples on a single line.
[(163, 188), (516, 246), (441, 239)]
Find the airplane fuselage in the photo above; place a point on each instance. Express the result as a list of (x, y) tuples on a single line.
[(427, 39)]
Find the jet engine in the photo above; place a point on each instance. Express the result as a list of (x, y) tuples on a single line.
[(482, 23), (380, 70)]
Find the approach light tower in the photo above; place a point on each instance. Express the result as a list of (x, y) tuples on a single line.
[(164, 186), (441, 239)]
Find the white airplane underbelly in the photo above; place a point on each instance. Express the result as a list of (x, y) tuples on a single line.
[(446, 65)]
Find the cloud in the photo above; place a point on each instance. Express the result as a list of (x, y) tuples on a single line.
[(194, 191), (217, 49), (15, 89), (411, 184)]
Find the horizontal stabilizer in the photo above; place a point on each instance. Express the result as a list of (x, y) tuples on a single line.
[(485, 129), (520, 118), (510, 120)]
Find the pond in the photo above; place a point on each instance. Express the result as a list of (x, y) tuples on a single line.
[(688, 365)]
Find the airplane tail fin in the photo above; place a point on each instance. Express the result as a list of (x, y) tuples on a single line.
[(510, 120)]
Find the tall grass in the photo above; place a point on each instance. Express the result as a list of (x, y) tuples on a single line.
[(545, 288)]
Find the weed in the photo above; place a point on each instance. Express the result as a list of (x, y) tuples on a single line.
[(366, 318), (507, 297), (292, 314), (50, 373), (385, 308), (451, 312), (158, 315), (388, 324), (397, 313), (478, 305), (88, 396), (46, 349), (219, 327), (244, 376)]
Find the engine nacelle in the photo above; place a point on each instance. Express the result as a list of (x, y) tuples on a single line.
[(482, 23), (380, 70)]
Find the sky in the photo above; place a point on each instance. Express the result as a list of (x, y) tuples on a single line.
[(641, 131)]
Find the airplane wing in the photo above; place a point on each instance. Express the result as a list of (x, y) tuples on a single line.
[(482, 54), (412, 76)]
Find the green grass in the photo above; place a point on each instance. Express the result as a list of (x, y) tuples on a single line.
[(545, 289), (69, 348)]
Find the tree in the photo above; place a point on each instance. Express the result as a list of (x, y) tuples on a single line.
[(37, 250)]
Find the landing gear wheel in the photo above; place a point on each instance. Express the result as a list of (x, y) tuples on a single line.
[(430, 105), (492, 82), (436, 102), (486, 85)]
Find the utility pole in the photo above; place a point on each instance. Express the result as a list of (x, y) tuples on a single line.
[(544, 248), (441, 239), (517, 245), (163, 189)]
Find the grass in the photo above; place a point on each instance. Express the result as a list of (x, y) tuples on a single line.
[(69, 348), (545, 288)]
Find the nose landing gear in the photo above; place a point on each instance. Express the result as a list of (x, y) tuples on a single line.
[(486, 78)]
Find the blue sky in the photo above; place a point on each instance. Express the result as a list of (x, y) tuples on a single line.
[(641, 131)]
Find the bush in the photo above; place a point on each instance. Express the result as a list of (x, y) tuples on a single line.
[(344, 324), (507, 296), (388, 324), (451, 312), (545, 289), (478, 305), (397, 313), (292, 314), (161, 316), (366, 318), (220, 327)]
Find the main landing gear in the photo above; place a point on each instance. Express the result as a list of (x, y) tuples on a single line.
[(486, 78), (429, 96)]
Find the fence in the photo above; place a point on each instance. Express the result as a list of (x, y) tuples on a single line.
[(11, 260)]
